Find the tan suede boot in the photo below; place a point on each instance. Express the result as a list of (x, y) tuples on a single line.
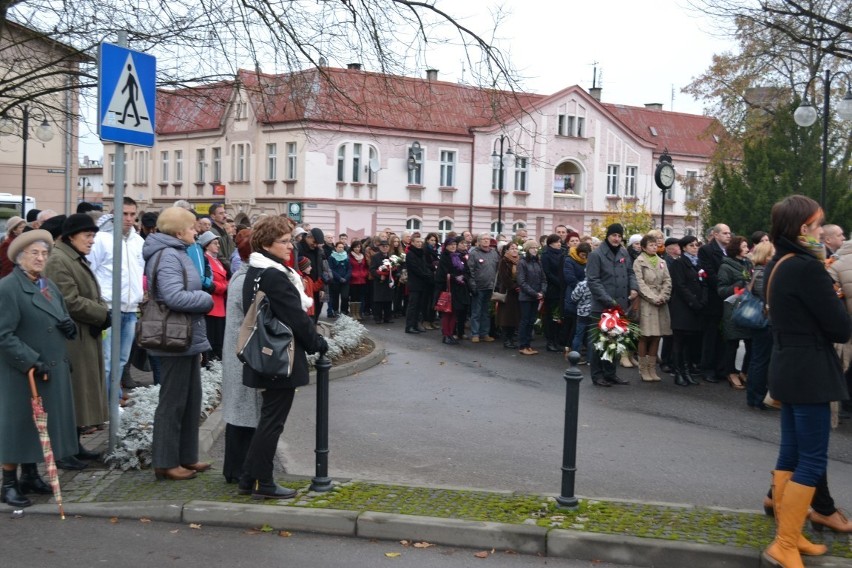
[(643, 370), (652, 367)]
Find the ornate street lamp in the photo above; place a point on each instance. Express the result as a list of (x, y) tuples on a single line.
[(84, 185), (501, 160), (44, 132), (806, 115)]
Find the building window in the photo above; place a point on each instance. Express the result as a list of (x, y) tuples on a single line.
[(448, 168), (412, 224), (178, 166), (518, 226), (164, 167), (689, 232), (240, 110), (140, 157), (570, 125), (444, 228), (373, 166), (567, 179), (667, 231), (200, 164), (495, 231), (581, 126), (630, 181), (239, 162), (111, 170), (690, 184), (271, 161), (521, 166), (356, 163), (341, 163), (612, 179), (217, 164), (291, 160), (495, 177)]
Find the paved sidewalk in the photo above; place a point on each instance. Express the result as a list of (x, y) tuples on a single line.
[(642, 534)]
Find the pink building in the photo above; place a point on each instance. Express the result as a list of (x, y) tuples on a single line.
[(361, 151)]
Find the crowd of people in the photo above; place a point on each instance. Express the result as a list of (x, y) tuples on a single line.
[(57, 284)]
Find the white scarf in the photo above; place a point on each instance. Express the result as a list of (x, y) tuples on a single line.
[(257, 260)]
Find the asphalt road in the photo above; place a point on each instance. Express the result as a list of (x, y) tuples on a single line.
[(45, 541), (481, 416)]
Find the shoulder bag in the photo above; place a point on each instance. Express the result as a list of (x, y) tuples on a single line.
[(444, 304), (160, 328), (495, 295), (749, 310), (265, 343)]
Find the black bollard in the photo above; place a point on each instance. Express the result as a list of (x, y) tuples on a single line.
[(572, 377), (322, 482)]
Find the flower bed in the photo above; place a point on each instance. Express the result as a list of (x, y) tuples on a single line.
[(136, 431)]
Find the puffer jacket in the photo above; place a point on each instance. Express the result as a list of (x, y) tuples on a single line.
[(174, 264), (531, 279), (483, 268)]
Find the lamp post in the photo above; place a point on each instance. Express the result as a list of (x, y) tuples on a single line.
[(44, 133), (501, 160), (84, 185), (806, 115)]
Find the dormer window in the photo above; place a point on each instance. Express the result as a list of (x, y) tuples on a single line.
[(241, 110), (570, 120)]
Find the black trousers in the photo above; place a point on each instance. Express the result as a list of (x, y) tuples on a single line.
[(178, 412), (414, 309), (215, 335), (382, 312), (273, 414), (237, 442), (712, 346)]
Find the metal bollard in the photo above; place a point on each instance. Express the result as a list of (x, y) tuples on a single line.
[(572, 377), (321, 481)]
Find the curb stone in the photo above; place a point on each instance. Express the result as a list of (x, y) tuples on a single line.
[(163, 511), (325, 521)]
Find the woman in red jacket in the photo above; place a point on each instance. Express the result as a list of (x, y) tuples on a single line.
[(358, 280), (216, 317)]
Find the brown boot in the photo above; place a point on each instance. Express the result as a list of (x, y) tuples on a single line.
[(837, 522), (643, 370), (779, 483), (652, 367), (791, 510)]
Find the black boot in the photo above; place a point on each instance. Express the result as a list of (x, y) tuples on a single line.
[(271, 490), (679, 378), (688, 375), (71, 463), (509, 338), (83, 453), (551, 346), (31, 481), (10, 493)]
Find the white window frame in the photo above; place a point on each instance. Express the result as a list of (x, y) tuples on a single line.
[(217, 164), (140, 157), (372, 154), (240, 162), (413, 224), (612, 180), (111, 168), (292, 160), (521, 172), (630, 175), (178, 166), (517, 225), (164, 166), (271, 161), (448, 167), (445, 227), (689, 182), (356, 162), (341, 163), (200, 164)]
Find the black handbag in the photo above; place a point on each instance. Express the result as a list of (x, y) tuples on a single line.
[(265, 343), (160, 328)]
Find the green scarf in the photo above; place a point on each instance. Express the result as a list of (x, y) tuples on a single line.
[(652, 259), (813, 246)]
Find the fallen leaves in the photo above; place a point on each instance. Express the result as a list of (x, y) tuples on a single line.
[(195, 526), (266, 529), (393, 554), (144, 520), (423, 544), (113, 520), (484, 553), (285, 534), (175, 531)]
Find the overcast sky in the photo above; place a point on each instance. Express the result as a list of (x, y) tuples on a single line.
[(645, 50)]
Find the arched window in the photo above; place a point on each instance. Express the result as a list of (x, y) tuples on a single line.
[(667, 231), (341, 163), (567, 179), (689, 232), (518, 225), (444, 228), (412, 224), (495, 231)]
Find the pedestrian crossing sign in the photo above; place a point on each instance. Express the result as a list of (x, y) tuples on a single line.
[(127, 91)]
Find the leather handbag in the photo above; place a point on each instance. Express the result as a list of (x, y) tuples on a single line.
[(748, 311), (495, 295), (265, 343), (444, 304), (160, 328)]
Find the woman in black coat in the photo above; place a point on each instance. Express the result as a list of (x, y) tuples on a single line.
[(689, 297), (452, 273), (271, 241), (805, 372)]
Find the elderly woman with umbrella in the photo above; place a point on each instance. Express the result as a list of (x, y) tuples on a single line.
[(34, 327)]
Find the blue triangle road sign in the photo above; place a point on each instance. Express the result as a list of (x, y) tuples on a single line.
[(127, 90)]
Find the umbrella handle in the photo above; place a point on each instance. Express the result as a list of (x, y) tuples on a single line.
[(31, 375)]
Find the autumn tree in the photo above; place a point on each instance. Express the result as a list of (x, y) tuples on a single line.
[(634, 217)]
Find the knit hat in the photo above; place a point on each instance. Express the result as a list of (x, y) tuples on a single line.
[(206, 238), (32, 214), (633, 239), (304, 264), (616, 229), (450, 241), (13, 222), (26, 239), (318, 236), (77, 223), (532, 243), (686, 240), (297, 232), (54, 225)]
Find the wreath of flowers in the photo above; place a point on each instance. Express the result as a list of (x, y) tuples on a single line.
[(614, 334)]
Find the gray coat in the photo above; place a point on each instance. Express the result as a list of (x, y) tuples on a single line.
[(483, 268), (70, 271), (28, 334), (240, 404), (610, 277), (531, 279), (174, 264)]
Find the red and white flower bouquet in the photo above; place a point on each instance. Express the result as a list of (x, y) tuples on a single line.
[(614, 334)]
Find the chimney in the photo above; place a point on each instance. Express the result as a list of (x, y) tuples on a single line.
[(595, 92), (431, 74), (654, 106), (355, 66)]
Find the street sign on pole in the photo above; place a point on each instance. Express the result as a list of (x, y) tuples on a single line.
[(127, 89)]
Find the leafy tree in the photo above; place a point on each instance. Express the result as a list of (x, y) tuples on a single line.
[(633, 216)]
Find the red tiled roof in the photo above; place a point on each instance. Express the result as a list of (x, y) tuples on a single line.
[(359, 98), (683, 134), (193, 109)]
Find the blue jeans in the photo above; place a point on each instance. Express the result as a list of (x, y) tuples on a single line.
[(805, 429), (525, 328), (128, 331), (758, 368), (480, 319), (580, 333)]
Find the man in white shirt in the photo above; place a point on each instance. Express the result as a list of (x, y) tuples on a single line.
[(132, 271)]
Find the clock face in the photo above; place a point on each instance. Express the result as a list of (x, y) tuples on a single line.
[(665, 175), (295, 208)]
